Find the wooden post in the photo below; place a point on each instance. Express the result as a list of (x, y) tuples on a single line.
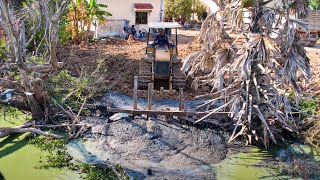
[(170, 82), (135, 93), (150, 88), (180, 99), (161, 90)]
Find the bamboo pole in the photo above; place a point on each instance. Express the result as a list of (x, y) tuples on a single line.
[(135, 93), (173, 113)]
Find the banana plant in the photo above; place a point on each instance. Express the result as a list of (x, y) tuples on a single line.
[(314, 4), (87, 12), (95, 10)]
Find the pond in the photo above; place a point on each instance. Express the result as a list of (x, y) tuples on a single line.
[(18, 159), (244, 166)]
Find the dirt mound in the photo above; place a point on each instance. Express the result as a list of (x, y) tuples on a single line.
[(191, 47), (118, 63), (313, 54)]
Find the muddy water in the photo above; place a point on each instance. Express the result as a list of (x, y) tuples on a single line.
[(249, 165), (18, 159), (242, 166)]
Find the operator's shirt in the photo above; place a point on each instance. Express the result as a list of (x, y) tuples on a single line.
[(162, 40)]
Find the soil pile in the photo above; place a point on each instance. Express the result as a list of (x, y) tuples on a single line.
[(313, 54), (117, 61)]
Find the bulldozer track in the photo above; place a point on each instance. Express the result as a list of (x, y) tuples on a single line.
[(145, 73), (179, 79)]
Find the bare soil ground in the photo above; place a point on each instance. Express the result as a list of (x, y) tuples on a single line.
[(120, 60), (314, 54)]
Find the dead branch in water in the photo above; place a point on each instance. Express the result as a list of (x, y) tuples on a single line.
[(10, 131), (27, 127), (31, 127)]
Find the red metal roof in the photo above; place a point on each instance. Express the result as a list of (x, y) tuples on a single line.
[(143, 6)]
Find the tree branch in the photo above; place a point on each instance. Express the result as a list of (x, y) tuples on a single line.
[(9, 131), (18, 87)]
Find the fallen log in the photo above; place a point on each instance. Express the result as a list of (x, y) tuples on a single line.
[(24, 130), (17, 104), (61, 125), (6, 133)]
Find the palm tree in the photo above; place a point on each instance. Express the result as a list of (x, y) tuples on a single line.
[(253, 76)]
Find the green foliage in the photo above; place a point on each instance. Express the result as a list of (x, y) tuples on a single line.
[(8, 112), (64, 35), (95, 10), (248, 3), (314, 4), (86, 12), (3, 47), (59, 158), (47, 144), (183, 8), (309, 106), (2, 42), (35, 59), (99, 174), (63, 84)]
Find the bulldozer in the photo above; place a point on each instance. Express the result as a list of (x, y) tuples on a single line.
[(161, 64)]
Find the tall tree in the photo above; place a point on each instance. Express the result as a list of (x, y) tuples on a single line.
[(31, 74), (183, 8)]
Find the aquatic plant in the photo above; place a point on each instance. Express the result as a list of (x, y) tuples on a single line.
[(59, 158)]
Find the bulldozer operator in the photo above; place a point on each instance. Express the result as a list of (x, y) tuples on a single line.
[(161, 39)]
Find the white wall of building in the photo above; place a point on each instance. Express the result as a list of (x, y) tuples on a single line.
[(124, 9)]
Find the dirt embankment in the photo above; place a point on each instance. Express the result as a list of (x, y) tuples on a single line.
[(119, 60), (314, 53)]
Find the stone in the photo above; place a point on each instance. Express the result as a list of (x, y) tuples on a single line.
[(118, 116)]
